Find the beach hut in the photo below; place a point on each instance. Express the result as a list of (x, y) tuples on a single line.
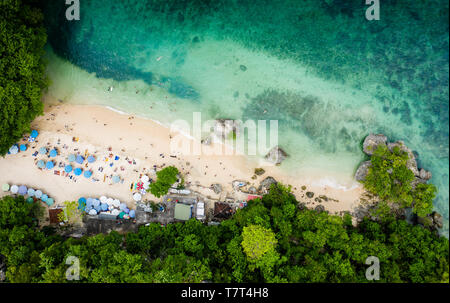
[(78, 171), (50, 165), (38, 194), (79, 159), (50, 202), (91, 159), (5, 187), (137, 197), (13, 150), (30, 192), (22, 190), (116, 179), (41, 164), (42, 150), (68, 168), (34, 133), (87, 174), (71, 158), (14, 189), (30, 200), (44, 198), (132, 213), (23, 147), (53, 153)]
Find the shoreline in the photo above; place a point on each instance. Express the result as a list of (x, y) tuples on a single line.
[(149, 140)]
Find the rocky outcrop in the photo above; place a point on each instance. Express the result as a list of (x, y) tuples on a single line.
[(266, 183), (259, 171), (411, 163), (310, 194), (372, 141), (433, 221), (362, 171), (224, 128), (217, 188), (424, 175), (276, 155)]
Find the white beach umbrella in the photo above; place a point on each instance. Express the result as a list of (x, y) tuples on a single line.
[(115, 212), (31, 192), (38, 194), (146, 185), (137, 197), (109, 201), (103, 199), (145, 178), (93, 212), (116, 203), (14, 189)]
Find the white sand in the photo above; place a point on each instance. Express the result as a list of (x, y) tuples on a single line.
[(143, 140)]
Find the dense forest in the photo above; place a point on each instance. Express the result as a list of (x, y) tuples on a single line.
[(273, 239), (22, 80)]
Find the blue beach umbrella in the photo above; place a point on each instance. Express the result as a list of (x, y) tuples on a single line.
[(30, 192), (88, 208), (79, 159), (34, 133), (41, 164), (23, 147), (50, 165), (50, 202), (123, 206), (68, 168), (132, 213), (78, 171), (22, 190), (14, 150), (42, 150), (95, 203), (44, 198), (97, 208), (91, 159), (53, 153), (72, 158), (116, 179), (38, 194), (89, 201), (87, 174), (104, 207), (126, 210)]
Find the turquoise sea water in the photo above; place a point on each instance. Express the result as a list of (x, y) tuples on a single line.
[(319, 67)]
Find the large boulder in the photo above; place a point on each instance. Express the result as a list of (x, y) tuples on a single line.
[(424, 174), (411, 163), (266, 183), (372, 141), (362, 171), (217, 188), (276, 155), (223, 128)]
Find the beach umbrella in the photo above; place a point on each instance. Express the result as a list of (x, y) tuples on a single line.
[(44, 198), (41, 164), (103, 199), (5, 187), (50, 202), (30, 192), (140, 186), (23, 147), (42, 150), (91, 159), (126, 210), (115, 212), (88, 208), (145, 178), (116, 179), (50, 165), (34, 133), (109, 201), (14, 189), (30, 200), (95, 203), (71, 158), (146, 185), (137, 197), (116, 203), (123, 206), (104, 207), (79, 159), (53, 153), (88, 201), (38, 194), (92, 212), (97, 208), (132, 213), (22, 190), (78, 171), (121, 215), (14, 150), (87, 174), (82, 200), (68, 168)]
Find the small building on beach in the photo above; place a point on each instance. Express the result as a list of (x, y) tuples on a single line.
[(183, 212)]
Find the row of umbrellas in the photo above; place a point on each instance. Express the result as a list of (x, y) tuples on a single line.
[(32, 193), (112, 206), (53, 153), (68, 168)]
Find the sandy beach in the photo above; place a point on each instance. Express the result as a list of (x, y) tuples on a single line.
[(139, 145)]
